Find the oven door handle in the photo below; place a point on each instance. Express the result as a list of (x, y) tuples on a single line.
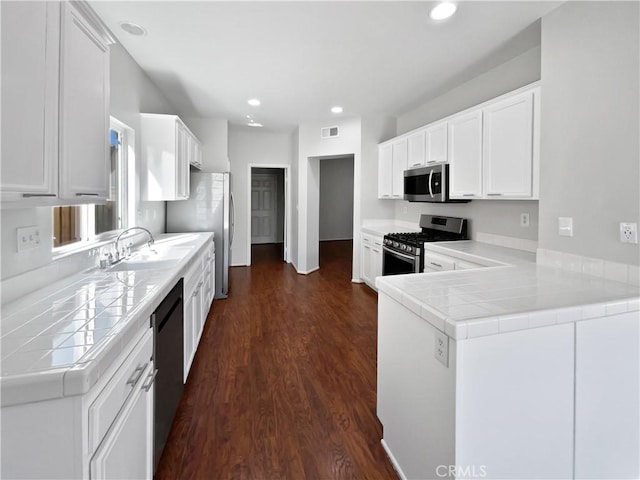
[(430, 178), (398, 254)]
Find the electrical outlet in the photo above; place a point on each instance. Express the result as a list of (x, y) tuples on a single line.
[(27, 237), (524, 219), (441, 348), (628, 232)]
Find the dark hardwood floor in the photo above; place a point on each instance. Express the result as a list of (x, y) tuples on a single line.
[(283, 385)]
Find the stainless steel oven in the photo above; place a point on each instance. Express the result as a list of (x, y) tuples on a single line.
[(404, 252), (396, 263)]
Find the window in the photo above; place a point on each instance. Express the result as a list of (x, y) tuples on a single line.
[(84, 223)]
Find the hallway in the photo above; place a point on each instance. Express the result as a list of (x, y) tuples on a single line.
[(283, 384)]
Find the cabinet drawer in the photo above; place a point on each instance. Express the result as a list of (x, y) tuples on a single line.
[(192, 277), (104, 410), (438, 263)]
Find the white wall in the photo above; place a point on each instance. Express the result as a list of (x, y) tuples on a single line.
[(590, 149), (336, 199), (374, 130), (487, 216), (310, 148), (251, 146), (132, 92), (213, 134)]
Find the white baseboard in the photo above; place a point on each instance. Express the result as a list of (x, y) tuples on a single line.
[(396, 467), (335, 239), (307, 272), (356, 280)]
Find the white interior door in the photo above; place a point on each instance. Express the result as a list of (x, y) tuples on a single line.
[(263, 208)]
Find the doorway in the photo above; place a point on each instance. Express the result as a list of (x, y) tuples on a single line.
[(268, 217), (335, 215)]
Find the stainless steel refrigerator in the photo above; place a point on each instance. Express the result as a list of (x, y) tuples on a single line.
[(208, 209)]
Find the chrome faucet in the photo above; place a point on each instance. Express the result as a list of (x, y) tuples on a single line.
[(118, 255)]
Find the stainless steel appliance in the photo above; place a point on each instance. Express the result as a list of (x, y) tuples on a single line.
[(404, 252), (210, 208), (168, 352), (428, 184)]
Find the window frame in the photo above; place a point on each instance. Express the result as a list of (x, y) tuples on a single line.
[(126, 204)]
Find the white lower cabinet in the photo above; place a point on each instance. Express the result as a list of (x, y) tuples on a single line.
[(607, 413), (199, 288), (126, 449), (371, 259)]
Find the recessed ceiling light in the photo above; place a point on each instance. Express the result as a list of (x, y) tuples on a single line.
[(254, 102), (249, 117), (336, 109), (443, 10), (133, 29), (254, 124)]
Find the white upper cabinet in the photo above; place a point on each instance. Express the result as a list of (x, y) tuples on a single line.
[(400, 154), (84, 110), (30, 50), (436, 143), (168, 148), (55, 104), (493, 150), (417, 145), (465, 155), (385, 168), (508, 147)]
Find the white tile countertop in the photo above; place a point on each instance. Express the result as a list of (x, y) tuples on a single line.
[(515, 296), (59, 340)]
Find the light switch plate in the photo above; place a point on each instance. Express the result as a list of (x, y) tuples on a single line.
[(565, 226), (441, 348), (27, 237)]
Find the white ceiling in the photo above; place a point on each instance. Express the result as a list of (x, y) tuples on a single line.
[(301, 57)]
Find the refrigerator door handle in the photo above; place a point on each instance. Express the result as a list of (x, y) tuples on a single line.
[(233, 218)]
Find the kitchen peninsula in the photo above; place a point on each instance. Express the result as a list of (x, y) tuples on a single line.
[(522, 358)]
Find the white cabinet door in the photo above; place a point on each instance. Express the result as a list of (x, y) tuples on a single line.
[(385, 167), (182, 162), (607, 416), (30, 49), (400, 154), (84, 110), (376, 260), (127, 451), (417, 149), (508, 147), (436, 141), (366, 263), (465, 155), (127, 448)]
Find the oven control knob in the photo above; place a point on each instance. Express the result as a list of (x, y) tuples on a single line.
[(410, 249), (396, 244), (403, 247)]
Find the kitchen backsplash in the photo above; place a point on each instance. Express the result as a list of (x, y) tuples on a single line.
[(597, 267)]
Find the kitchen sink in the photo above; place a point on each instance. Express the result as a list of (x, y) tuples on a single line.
[(152, 259), (126, 265)]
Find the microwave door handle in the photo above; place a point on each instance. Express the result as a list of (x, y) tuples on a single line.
[(430, 178)]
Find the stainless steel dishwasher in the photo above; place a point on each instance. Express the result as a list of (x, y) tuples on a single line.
[(167, 322)]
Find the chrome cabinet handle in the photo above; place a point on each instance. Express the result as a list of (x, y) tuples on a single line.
[(432, 161), (494, 194), (29, 195), (85, 194), (436, 264), (468, 194), (146, 386), (135, 376)]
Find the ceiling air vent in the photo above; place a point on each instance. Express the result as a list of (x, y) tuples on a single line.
[(328, 132)]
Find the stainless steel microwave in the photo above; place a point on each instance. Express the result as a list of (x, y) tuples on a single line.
[(428, 184)]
